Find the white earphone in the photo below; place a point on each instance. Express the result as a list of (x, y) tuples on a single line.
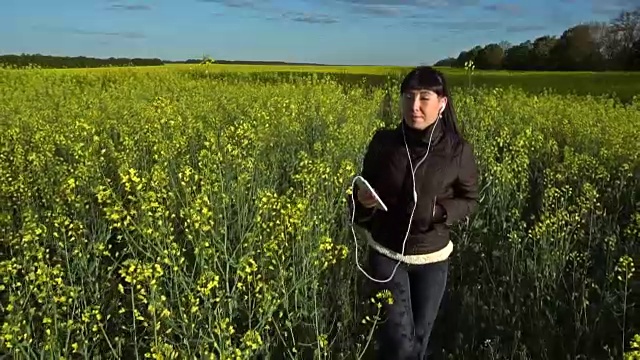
[(415, 201)]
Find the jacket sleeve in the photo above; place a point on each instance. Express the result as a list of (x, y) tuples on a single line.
[(362, 214), (465, 197)]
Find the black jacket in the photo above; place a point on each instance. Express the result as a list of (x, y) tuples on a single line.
[(446, 184)]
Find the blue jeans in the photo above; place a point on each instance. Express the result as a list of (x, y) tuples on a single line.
[(417, 292)]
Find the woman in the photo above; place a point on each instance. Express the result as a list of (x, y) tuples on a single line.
[(410, 242)]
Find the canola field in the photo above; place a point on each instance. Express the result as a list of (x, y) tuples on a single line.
[(182, 214)]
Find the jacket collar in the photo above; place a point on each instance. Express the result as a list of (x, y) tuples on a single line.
[(421, 137)]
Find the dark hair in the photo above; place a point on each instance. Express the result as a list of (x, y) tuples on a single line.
[(430, 79)]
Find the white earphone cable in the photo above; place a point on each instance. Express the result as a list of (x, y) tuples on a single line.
[(415, 202)]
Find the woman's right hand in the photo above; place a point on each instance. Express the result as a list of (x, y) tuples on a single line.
[(366, 198)]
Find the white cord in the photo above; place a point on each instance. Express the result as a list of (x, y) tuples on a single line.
[(415, 202)]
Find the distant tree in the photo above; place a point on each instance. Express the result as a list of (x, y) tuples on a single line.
[(634, 63), (467, 55), (518, 57), (490, 57), (623, 34), (577, 50), (206, 60), (450, 61), (505, 45), (541, 52)]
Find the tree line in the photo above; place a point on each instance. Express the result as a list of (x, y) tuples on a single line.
[(50, 61), (593, 46), (61, 62)]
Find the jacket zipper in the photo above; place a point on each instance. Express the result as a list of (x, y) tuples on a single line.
[(433, 210)]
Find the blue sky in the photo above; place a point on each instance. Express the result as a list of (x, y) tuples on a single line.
[(394, 32)]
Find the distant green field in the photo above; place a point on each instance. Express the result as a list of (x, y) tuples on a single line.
[(622, 85), (349, 69), (236, 68)]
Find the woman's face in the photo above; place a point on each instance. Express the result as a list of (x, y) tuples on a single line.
[(421, 108)]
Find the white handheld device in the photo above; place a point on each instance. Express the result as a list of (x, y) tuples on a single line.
[(363, 183)]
